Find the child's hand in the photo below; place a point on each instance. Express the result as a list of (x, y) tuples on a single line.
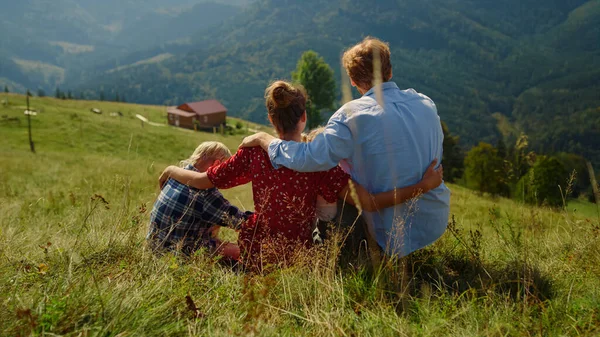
[(261, 139), (433, 177), (164, 176)]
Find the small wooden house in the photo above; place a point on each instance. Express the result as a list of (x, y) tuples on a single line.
[(198, 115)]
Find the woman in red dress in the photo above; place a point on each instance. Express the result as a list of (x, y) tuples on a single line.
[(284, 200)]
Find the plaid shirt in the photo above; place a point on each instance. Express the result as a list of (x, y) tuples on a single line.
[(182, 215)]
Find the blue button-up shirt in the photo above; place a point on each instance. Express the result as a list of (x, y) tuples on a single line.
[(382, 146)]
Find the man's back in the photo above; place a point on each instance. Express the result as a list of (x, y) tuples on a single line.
[(393, 146)]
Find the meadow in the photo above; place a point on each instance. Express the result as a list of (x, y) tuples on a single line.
[(73, 261)]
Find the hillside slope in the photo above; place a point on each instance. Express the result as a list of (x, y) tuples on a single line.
[(474, 58), (73, 259)]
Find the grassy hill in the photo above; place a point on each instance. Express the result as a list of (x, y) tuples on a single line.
[(73, 219)]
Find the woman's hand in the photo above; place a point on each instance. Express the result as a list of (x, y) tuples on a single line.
[(165, 175), (433, 177), (261, 139)]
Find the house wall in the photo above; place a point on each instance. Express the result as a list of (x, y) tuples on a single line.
[(204, 121), (181, 121), (209, 121)]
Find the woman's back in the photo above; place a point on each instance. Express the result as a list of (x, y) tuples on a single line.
[(284, 200)]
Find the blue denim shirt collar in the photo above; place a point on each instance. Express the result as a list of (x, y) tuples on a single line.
[(384, 86)]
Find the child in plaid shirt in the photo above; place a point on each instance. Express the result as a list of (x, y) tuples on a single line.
[(185, 219)]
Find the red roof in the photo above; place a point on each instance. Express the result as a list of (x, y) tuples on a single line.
[(208, 107)]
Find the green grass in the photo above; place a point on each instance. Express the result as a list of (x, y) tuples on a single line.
[(71, 264), (584, 208)]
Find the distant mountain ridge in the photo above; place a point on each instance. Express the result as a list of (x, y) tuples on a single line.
[(532, 64), (81, 35)]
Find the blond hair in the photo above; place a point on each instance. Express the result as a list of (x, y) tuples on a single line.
[(208, 151), (309, 137), (358, 61)]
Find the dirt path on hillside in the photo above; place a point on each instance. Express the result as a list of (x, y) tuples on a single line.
[(145, 120)]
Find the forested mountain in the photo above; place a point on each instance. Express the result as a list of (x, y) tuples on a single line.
[(53, 43), (494, 68)]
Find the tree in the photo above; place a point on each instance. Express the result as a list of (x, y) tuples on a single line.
[(575, 164), (523, 159), (501, 147), (544, 184), (507, 172), (117, 99), (41, 92), (453, 158), (594, 195), (483, 169), (57, 94), (102, 95), (6, 89), (317, 78), (69, 95), (518, 160)]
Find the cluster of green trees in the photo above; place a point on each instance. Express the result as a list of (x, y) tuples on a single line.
[(517, 172), (60, 94), (317, 78)]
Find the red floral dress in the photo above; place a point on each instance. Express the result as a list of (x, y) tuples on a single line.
[(284, 201)]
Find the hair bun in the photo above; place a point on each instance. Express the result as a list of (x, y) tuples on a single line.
[(285, 102), (283, 95)]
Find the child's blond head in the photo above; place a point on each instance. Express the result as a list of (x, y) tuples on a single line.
[(309, 137), (208, 151)]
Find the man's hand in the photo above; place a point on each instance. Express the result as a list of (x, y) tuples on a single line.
[(433, 177), (261, 139), (164, 176)]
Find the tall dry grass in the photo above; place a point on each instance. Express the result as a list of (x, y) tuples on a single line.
[(73, 260)]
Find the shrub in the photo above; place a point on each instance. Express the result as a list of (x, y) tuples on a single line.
[(544, 183), (453, 158), (484, 170)]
